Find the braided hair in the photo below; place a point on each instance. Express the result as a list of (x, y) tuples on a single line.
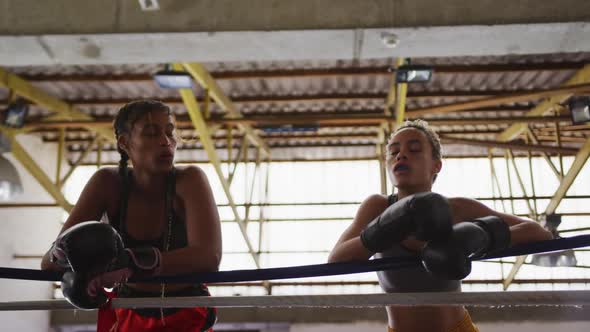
[(126, 118)]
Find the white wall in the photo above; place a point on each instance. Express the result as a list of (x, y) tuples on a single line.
[(28, 231)]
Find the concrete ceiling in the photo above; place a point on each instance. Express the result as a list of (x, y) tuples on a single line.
[(33, 17), (110, 32)]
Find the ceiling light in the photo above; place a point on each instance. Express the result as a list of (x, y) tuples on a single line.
[(563, 258), (389, 40), (552, 221), (10, 183), (580, 110), (149, 5), (413, 74), (15, 114), (173, 79), (557, 258)]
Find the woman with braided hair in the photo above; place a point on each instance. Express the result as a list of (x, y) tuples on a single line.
[(445, 233), (165, 215)]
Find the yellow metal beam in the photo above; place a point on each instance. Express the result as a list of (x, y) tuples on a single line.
[(512, 274), (568, 179), (63, 110), (397, 96), (201, 75), (29, 163), (581, 76), (60, 153), (452, 139), (502, 99), (402, 92), (532, 213), (534, 139), (98, 154), (391, 97), (381, 155), (564, 186), (242, 152), (79, 161), (196, 116)]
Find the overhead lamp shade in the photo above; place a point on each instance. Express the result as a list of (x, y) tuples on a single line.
[(171, 79), (149, 5), (552, 221), (413, 74), (564, 258), (580, 110), (15, 114), (10, 183)]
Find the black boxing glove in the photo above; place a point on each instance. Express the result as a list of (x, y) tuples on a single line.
[(87, 245), (89, 248), (426, 215), (74, 287), (57, 255), (499, 235), (451, 258)]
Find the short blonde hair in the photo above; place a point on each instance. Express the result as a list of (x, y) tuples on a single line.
[(423, 126)]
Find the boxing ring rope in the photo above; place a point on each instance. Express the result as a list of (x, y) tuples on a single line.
[(534, 298), (483, 299), (316, 270)]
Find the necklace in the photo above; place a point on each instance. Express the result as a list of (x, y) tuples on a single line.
[(169, 199)]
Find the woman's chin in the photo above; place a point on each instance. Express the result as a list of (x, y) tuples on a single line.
[(401, 183), (404, 184), (163, 167)]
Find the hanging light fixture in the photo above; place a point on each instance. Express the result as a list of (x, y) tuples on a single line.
[(562, 258), (10, 183), (409, 73), (149, 5), (173, 79), (15, 114), (580, 110)]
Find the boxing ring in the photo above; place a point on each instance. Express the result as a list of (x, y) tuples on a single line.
[(516, 298)]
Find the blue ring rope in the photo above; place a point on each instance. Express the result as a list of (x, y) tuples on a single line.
[(316, 270)]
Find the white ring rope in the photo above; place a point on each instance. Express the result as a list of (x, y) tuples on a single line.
[(485, 299)]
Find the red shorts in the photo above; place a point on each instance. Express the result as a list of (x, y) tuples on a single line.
[(178, 319)]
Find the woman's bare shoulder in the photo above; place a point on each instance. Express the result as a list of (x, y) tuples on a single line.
[(107, 176), (101, 194), (190, 178), (371, 207), (376, 200), (108, 182), (189, 172)]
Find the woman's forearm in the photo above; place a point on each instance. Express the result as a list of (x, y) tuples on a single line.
[(46, 264), (529, 232), (349, 250), (189, 260)]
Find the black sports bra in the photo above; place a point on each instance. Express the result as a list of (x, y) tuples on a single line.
[(178, 238)]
